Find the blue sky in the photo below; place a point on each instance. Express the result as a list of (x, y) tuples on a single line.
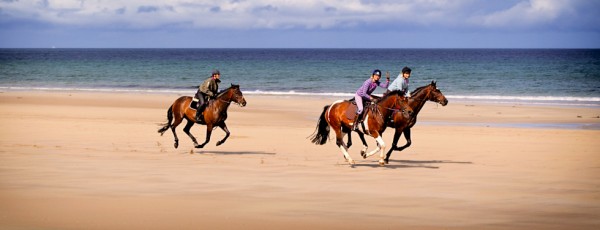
[(300, 24)]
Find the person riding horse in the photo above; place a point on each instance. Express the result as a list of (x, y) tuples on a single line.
[(401, 82), (208, 89), (364, 94)]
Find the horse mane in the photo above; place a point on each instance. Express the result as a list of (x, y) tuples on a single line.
[(417, 90), (225, 90), (392, 93)]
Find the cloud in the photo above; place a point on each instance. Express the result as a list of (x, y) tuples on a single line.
[(147, 9), (525, 14), (309, 14)]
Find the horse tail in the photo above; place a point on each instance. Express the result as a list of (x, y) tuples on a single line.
[(321, 134), (167, 125)]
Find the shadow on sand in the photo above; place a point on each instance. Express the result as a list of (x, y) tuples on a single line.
[(412, 164), (236, 152)]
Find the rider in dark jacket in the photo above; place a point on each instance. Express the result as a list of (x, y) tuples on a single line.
[(208, 89)]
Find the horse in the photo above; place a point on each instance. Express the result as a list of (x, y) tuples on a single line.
[(336, 117), (416, 102), (214, 114)]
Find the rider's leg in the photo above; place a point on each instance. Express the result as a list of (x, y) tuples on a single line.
[(359, 104), (201, 105)]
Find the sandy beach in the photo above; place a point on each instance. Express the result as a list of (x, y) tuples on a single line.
[(82, 160)]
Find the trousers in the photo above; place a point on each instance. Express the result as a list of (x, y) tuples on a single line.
[(359, 104)]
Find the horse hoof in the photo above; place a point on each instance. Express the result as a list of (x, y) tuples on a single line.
[(381, 163), (363, 154), (351, 162), (387, 162), (176, 144), (219, 143), (198, 146)]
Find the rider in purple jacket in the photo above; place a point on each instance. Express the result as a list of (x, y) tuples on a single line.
[(363, 94)]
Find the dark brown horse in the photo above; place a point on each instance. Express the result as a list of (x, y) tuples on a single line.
[(402, 124), (336, 117), (215, 114)]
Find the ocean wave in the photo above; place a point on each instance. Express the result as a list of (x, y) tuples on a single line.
[(122, 90), (294, 93), (539, 100), (530, 100), (526, 98)]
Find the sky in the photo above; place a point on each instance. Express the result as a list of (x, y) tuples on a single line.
[(300, 24)]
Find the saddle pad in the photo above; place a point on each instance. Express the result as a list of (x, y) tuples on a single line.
[(193, 105), (351, 111)]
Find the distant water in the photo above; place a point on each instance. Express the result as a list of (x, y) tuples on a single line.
[(534, 76)]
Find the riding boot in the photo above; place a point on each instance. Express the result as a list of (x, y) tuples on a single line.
[(199, 116), (356, 121)]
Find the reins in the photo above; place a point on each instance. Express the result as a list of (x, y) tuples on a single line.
[(392, 108), (225, 101)]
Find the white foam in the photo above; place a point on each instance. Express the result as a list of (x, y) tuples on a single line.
[(536, 100), (294, 93), (525, 98)]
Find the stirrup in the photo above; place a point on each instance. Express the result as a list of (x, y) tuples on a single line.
[(356, 122)]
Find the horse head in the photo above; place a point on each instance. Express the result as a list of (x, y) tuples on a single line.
[(232, 94), (238, 97), (436, 95)]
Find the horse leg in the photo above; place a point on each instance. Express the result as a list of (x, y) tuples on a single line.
[(380, 148), (187, 128), (397, 135), (349, 142), (224, 128), (363, 151), (208, 133), (339, 136), (407, 137), (176, 122)]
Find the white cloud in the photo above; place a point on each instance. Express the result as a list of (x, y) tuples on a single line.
[(305, 14), (527, 13)]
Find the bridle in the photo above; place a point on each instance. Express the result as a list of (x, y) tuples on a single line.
[(233, 99), (426, 98)]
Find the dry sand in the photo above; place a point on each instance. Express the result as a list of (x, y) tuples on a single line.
[(73, 160)]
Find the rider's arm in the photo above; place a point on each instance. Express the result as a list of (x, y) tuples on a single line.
[(394, 85), (206, 88), (384, 85), (362, 91)]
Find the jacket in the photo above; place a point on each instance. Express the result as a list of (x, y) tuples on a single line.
[(400, 84), (369, 86), (210, 87)]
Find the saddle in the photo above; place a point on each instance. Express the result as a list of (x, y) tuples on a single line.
[(352, 108), (194, 104)]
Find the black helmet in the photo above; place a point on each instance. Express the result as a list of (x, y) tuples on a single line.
[(377, 72), (406, 69)]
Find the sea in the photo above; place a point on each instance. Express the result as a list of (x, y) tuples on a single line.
[(564, 77)]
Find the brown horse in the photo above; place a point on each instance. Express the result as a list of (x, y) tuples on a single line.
[(336, 117), (416, 102), (215, 114)]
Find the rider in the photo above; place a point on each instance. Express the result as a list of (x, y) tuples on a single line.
[(364, 94), (401, 82), (208, 88)]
